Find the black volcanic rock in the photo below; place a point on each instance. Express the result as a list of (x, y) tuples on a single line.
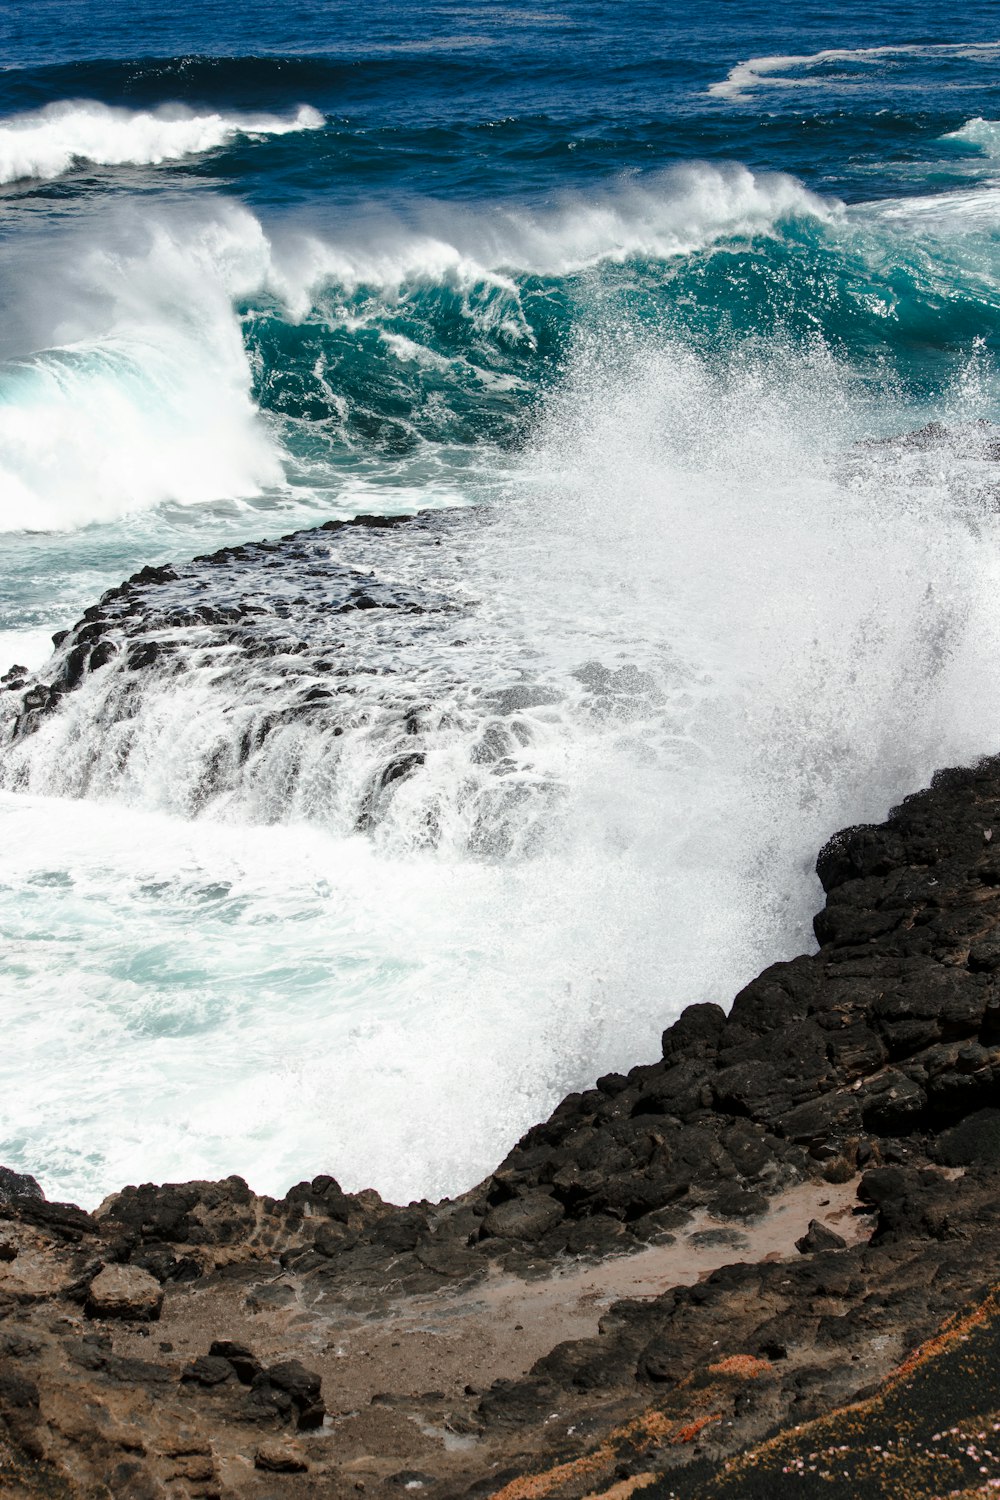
[(871, 1065)]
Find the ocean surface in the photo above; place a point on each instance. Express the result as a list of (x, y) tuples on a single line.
[(660, 298)]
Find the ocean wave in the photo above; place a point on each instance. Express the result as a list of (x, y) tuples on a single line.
[(152, 335), (198, 354), (978, 132), (139, 387), (773, 71), (46, 143)]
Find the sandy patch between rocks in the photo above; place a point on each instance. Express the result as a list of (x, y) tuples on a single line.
[(496, 1329)]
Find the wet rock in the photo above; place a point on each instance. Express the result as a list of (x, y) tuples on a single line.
[(696, 1031), (18, 1185)]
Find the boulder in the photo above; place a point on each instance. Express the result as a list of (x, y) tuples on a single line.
[(526, 1218), (125, 1292), (280, 1458), (819, 1237), (15, 1185)]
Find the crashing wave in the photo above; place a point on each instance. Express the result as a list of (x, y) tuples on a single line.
[(46, 143)]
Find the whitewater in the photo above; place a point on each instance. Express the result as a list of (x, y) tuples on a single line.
[(700, 414)]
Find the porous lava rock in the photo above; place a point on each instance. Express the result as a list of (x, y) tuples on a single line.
[(683, 1281)]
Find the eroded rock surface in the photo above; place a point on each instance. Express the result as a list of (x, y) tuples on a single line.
[(742, 1236)]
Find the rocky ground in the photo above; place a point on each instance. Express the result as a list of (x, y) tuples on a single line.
[(762, 1264), (725, 1274)]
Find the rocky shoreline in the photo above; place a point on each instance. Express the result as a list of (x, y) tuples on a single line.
[(683, 1282)]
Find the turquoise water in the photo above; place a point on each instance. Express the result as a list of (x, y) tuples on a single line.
[(649, 292)]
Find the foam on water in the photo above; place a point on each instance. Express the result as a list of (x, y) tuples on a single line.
[(284, 1001), (26, 648), (49, 142), (814, 621), (805, 70), (984, 134)]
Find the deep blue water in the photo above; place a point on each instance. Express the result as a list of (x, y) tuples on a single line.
[(660, 291)]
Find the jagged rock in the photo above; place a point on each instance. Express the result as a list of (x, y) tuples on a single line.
[(290, 1381), (208, 1370), (819, 1237), (240, 1358), (18, 1185), (526, 1218)]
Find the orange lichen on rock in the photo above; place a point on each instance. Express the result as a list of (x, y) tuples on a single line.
[(537, 1486), (742, 1367), (649, 1429), (953, 1331), (624, 1488), (653, 1425), (690, 1432)]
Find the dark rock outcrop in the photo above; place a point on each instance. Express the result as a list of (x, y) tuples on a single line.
[(869, 1069)]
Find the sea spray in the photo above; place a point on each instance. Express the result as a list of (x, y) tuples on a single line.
[(781, 629)]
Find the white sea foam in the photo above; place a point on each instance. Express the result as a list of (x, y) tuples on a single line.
[(49, 142), (819, 621), (283, 1002), (978, 132), (25, 648), (799, 70), (139, 390)]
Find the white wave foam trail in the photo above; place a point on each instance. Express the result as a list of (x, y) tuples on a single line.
[(51, 141), (139, 390), (803, 629), (772, 71)]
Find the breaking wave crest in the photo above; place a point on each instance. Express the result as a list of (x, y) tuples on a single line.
[(46, 143), (200, 354), (153, 344)]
